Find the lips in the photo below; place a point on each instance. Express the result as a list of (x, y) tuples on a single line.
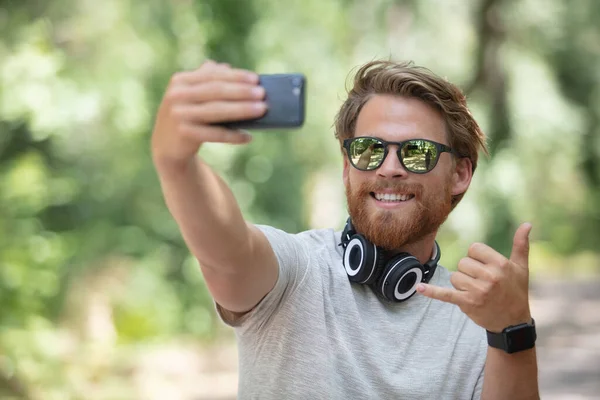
[(392, 197)]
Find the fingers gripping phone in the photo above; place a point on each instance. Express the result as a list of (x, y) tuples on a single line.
[(285, 98)]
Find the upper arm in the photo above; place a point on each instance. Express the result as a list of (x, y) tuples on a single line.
[(239, 289)]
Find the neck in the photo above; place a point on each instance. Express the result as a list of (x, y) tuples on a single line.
[(422, 249)]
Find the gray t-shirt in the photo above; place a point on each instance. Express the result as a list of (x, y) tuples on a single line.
[(318, 336)]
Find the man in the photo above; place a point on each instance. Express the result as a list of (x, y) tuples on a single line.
[(306, 326)]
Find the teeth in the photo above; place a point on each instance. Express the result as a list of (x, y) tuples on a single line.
[(392, 197)]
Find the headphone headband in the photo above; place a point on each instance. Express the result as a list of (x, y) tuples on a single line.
[(347, 233), (431, 265)]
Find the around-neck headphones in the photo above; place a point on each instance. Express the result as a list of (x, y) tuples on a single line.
[(393, 278)]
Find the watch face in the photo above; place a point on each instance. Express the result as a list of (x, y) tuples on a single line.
[(520, 338)]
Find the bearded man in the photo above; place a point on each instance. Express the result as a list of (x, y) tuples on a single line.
[(364, 311)]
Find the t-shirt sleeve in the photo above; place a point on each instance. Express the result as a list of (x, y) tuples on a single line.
[(293, 263), (479, 385)]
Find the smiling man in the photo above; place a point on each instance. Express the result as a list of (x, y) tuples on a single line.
[(364, 311)]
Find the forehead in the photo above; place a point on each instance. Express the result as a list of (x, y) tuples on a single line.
[(396, 118)]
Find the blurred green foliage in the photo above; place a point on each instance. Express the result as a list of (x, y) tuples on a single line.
[(89, 255)]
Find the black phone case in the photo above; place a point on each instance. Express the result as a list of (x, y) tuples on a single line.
[(285, 97)]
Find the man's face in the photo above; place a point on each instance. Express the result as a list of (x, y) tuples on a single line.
[(424, 200)]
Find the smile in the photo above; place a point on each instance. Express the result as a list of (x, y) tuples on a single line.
[(392, 197)]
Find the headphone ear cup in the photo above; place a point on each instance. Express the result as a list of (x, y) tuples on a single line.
[(360, 260), (400, 277)]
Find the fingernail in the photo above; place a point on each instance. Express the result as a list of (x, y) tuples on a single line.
[(260, 106), (247, 136), (420, 288), (258, 92), (251, 77)]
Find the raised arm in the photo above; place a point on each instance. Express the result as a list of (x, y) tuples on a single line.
[(493, 291), (237, 262)]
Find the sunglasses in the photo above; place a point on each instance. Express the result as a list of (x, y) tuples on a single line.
[(416, 155)]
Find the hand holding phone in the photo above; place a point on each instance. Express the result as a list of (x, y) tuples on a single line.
[(212, 104), (193, 105), (285, 98)]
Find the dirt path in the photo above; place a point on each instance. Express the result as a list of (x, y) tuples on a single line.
[(568, 320)]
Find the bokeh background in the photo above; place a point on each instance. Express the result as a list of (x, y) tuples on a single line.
[(99, 297)]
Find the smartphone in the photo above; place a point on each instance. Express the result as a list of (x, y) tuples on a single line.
[(285, 98)]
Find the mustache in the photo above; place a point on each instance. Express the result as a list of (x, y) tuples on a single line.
[(377, 186)]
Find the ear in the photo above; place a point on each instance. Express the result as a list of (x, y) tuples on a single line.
[(463, 172)]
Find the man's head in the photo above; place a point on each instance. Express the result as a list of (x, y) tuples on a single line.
[(395, 200)]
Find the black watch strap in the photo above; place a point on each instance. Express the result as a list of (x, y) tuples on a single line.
[(514, 338)]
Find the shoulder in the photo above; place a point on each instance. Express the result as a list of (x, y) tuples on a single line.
[(320, 238)]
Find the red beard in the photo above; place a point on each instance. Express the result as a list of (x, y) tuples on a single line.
[(391, 230)]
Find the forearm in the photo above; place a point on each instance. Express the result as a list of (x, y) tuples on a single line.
[(510, 376), (207, 213)]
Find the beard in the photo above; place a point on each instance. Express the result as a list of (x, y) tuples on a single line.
[(392, 229)]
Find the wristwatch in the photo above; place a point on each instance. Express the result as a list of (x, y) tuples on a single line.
[(514, 338)]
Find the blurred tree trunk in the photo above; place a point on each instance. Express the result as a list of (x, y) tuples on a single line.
[(575, 59), (490, 82)]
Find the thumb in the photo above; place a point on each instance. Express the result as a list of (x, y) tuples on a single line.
[(520, 250)]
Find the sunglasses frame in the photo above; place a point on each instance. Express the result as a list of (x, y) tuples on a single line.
[(441, 148)]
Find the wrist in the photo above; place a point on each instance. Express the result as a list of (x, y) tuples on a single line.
[(514, 338), (516, 319), (170, 168)]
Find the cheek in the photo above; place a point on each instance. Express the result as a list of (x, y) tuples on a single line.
[(438, 184), (355, 178)]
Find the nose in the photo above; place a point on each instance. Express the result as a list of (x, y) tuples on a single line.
[(391, 166)]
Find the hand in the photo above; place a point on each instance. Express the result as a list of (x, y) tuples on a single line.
[(493, 291), (196, 99)]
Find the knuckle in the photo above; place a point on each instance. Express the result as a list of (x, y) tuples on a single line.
[(454, 278), (177, 77), (208, 64), (213, 88), (174, 94), (474, 247), (484, 295), (494, 278), (476, 301), (446, 295), (176, 112), (463, 263)]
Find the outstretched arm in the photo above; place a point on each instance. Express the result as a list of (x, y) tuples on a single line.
[(237, 262)]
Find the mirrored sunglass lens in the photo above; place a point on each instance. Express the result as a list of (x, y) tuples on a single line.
[(419, 155), (366, 153)]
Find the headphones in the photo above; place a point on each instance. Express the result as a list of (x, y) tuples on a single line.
[(393, 278)]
